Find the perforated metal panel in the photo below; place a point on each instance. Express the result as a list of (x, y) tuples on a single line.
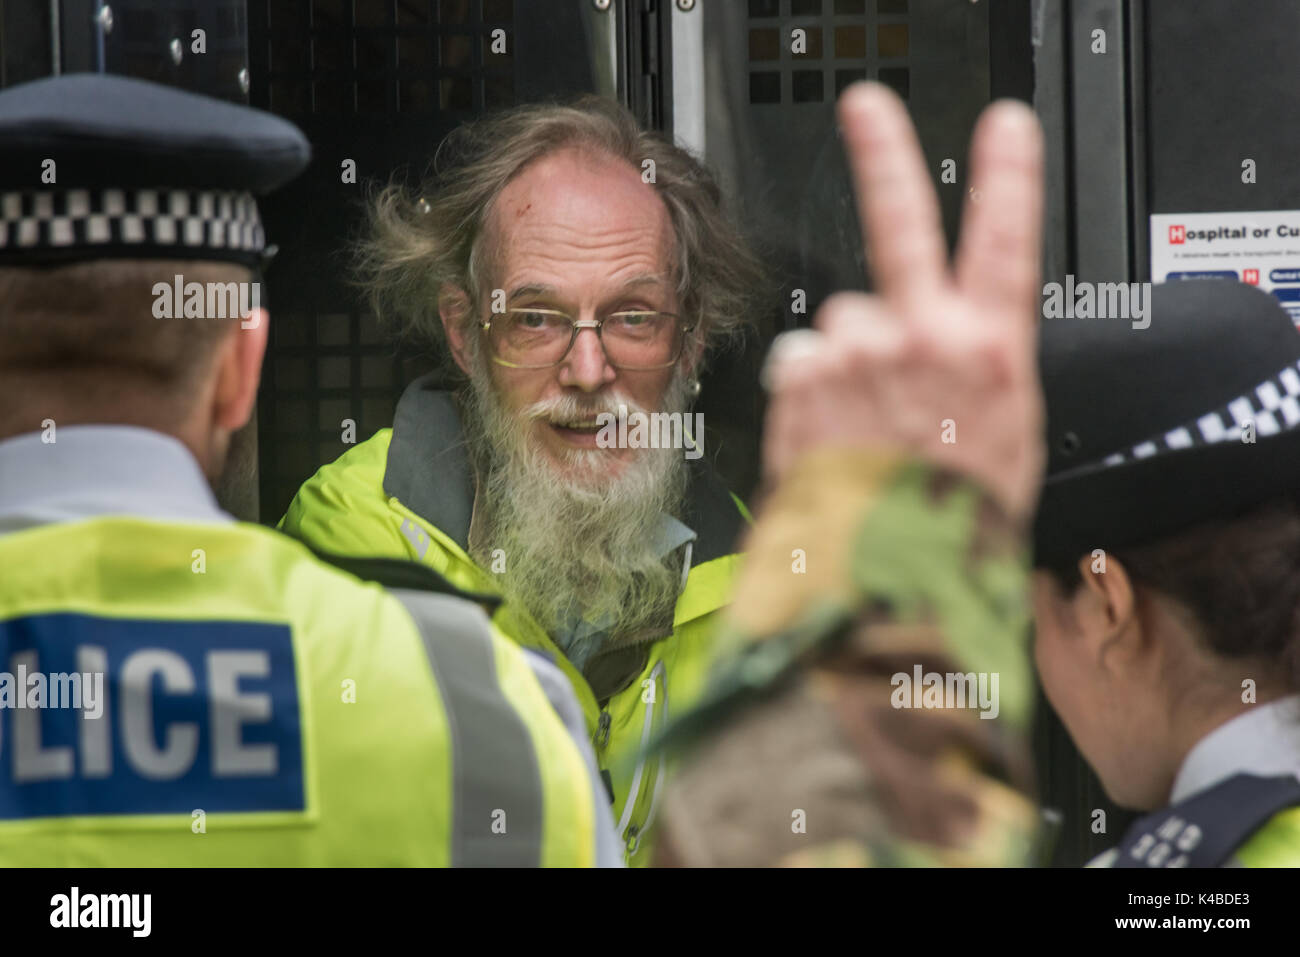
[(842, 41), (379, 83), (779, 67), (764, 121), (333, 56)]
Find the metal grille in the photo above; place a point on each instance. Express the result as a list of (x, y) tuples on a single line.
[(380, 83), (770, 124), (338, 68), (372, 56), (808, 51), (778, 147), (768, 130)]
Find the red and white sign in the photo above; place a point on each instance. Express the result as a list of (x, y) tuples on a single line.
[(1257, 247)]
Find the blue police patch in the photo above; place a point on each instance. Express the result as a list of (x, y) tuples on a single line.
[(110, 716)]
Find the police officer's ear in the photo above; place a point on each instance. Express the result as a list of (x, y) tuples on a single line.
[(1107, 610), (454, 309), (238, 369)]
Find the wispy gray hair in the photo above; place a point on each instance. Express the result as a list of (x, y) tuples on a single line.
[(418, 245)]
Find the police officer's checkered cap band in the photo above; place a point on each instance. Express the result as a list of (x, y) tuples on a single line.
[(1273, 407), (177, 219)]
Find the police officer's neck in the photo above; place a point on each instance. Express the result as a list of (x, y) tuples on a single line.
[(36, 412)]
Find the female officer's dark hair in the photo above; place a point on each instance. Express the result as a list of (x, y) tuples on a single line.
[(1239, 578)]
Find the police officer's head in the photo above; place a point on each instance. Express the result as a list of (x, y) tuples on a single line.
[(79, 344), (1167, 593), (130, 255)]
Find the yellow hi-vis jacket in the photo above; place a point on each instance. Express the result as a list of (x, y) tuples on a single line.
[(259, 707), (408, 492)]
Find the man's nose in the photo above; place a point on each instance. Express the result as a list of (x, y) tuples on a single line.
[(586, 366)]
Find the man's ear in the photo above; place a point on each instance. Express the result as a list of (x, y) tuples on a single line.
[(453, 310), (1106, 607), (239, 367), (694, 355)]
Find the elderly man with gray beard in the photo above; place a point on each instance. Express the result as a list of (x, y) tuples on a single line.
[(574, 268)]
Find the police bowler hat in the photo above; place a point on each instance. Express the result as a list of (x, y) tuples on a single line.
[(1154, 430)]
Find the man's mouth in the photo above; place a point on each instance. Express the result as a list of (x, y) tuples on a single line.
[(578, 426), (580, 433)]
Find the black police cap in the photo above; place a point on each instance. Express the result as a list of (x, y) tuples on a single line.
[(94, 166), (1154, 430)]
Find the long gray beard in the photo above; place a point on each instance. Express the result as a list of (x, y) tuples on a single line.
[(582, 544)]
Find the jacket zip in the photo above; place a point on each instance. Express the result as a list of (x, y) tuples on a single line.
[(602, 732), (631, 836)]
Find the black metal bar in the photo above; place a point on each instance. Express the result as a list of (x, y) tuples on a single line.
[(1011, 52)]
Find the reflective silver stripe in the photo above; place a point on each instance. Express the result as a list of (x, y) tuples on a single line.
[(496, 783), (416, 536), (609, 852)]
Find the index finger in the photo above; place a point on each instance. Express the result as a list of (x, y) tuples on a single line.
[(901, 226)]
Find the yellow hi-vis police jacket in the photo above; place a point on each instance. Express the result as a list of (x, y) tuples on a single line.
[(1235, 800), (178, 688), (408, 492)]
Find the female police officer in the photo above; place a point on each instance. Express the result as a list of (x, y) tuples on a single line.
[(1167, 595)]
